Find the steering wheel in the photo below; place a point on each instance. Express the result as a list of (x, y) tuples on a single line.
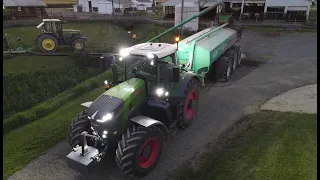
[(146, 75)]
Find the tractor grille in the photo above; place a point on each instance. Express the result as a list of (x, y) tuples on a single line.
[(103, 105)]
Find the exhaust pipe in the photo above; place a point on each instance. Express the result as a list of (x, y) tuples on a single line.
[(114, 69)]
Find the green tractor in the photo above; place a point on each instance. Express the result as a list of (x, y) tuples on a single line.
[(53, 35), (134, 117)]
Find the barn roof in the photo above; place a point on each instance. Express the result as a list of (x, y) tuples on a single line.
[(24, 3)]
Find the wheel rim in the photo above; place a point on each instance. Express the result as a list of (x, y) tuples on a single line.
[(190, 105), (48, 44), (148, 153), (78, 45)]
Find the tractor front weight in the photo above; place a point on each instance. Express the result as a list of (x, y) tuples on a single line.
[(82, 158)]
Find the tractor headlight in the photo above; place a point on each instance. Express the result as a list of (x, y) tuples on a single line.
[(124, 52), (104, 135), (160, 92), (106, 117), (150, 56)]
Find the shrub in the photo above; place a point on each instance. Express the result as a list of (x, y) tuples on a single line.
[(26, 89), (53, 103)]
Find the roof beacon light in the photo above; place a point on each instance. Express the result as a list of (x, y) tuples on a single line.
[(177, 39)]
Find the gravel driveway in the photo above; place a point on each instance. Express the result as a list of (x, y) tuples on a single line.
[(274, 64)]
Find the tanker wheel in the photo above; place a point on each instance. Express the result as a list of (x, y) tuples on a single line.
[(239, 56), (78, 44), (233, 55), (47, 43), (191, 103), (139, 150), (224, 69), (237, 49), (78, 125)]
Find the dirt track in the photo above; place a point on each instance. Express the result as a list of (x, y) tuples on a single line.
[(274, 64)]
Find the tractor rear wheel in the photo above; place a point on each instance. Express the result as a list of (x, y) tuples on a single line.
[(77, 44), (78, 125), (139, 150), (191, 103), (224, 69), (47, 43)]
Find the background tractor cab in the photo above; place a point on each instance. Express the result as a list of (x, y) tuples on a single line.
[(53, 34)]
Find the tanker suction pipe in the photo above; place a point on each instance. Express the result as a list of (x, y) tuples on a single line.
[(188, 20)]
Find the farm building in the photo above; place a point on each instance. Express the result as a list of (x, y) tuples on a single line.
[(22, 9), (270, 9), (105, 6)]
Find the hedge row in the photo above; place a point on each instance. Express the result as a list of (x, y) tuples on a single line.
[(27, 89), (52, 104)]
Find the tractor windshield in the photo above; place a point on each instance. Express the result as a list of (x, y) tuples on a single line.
[(156, 73), (140, 65)]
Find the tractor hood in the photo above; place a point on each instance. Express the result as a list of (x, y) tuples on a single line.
[(126, 89), (117, 101), (71, 30)]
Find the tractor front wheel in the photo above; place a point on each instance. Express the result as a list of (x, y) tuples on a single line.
[(78, 44), (191, 103), (78, 125), (47, 43), (139, 150)]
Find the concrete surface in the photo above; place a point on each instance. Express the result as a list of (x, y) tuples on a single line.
[(303, 99), (273, 65)]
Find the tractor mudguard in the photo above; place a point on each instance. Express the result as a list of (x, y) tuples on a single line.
[(163, 106), (149, 122), (86, 104), (179, 94)]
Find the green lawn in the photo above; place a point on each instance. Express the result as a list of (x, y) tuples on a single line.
[(23, 63), (28, 142), (273, 145)]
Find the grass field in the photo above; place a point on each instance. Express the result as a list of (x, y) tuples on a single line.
[(28, 142), (99, 34), (273, 145), (96, 32)]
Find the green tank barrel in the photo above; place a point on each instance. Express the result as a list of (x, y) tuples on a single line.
[(186, 21)]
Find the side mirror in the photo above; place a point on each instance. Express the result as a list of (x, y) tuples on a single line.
[(176, 74)]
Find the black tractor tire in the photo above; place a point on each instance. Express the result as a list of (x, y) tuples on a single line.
[(224, 69), (78, 125), (77, 44), (129, 152), (191, 103), (49, 48), (233, 55)]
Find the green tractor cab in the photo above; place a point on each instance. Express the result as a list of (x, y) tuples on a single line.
[(53, 35), (133, 118)]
